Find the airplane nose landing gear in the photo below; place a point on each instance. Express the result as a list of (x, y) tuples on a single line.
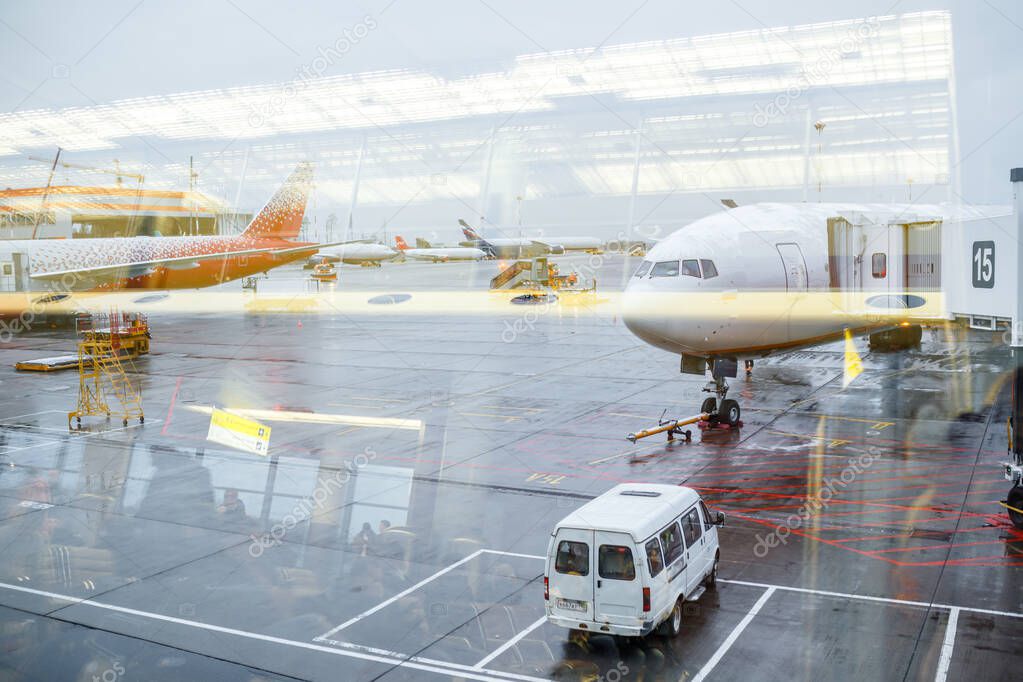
[(726, 411)]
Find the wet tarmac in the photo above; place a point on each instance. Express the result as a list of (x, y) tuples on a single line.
[(418, 464)]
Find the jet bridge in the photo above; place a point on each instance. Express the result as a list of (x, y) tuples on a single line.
[(982, 258), (961, 265)]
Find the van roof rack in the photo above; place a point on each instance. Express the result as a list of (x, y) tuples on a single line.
[(641, 493)]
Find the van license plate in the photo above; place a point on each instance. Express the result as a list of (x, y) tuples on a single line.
[(571, 605)]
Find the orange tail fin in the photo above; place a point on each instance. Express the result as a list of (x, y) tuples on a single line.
[(281, 218), (400, 241)]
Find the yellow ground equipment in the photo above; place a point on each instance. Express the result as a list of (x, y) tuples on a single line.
[(538, 275), (108, 343), (672, 426)]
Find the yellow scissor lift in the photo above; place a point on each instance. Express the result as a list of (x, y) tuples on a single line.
[(104, 388)]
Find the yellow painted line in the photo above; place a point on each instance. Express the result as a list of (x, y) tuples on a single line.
[(833, 442), (634, 416), (878, 425), (549, 479), (493, 415), (382, 400)]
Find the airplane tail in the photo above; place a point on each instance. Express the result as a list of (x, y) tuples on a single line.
[(469, 233), (281, 217), (400, 242), (423, 244)]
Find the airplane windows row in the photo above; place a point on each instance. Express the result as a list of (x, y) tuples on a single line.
[(701, 269)]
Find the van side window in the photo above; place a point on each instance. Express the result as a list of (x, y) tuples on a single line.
[(707, 523), (691, 526), (573, 558), (654, 558), (615, 563), (671, 542)]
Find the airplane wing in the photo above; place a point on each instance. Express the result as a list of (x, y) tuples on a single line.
[(136, 268)]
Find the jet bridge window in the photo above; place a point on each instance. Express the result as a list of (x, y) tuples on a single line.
[(668, 268), (879, 265), (709, 271), (643, 268), (691, 268)]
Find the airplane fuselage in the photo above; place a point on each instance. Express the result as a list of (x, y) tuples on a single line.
[(770, 284), (440, 254), (27, 263)]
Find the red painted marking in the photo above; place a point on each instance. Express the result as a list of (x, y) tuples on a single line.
[(170, 408)]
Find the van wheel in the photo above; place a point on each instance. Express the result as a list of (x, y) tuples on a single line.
[(712, 577), (673, 625)]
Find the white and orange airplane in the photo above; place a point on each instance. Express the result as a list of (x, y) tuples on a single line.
[(108, 264)]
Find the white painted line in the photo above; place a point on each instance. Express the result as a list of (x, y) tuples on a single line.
[(355, 619), (523, 556), (353, 652), (948, 645), (510, 643), (734, 635), (428, 661), (30, 414), (883, 600), (38, 444)]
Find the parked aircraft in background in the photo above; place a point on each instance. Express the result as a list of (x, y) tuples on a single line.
[(759, 279), (524, 247), (439, 254), (101, 264), (354, 253)]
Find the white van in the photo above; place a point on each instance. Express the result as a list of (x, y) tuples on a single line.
[(625, 562)]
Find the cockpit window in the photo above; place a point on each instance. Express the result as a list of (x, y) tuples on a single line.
[(690, 268), (709, 271), (668, 268), (643, 268)]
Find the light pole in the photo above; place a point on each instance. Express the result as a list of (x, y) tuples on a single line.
[(819, 125)]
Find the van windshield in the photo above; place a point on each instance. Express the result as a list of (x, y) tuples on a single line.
[(573, 558), (615, 563)]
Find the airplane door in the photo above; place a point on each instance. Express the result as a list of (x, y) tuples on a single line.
[(923, 256), (6, 275), (795, 266)]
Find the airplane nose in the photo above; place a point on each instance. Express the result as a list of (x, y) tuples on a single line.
[(639, 314)]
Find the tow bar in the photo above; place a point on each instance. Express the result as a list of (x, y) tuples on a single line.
[(672, 426)]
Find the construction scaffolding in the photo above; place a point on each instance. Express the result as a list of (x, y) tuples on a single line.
[(107, 343)]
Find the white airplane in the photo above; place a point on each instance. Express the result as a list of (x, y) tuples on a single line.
[(755, 280), (524, 247), (438, 254), (357, 253)]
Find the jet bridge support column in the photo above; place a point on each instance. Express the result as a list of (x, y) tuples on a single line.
[(1014, 468)]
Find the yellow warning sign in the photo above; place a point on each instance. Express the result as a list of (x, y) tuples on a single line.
[(853, 363), (238, 432)]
